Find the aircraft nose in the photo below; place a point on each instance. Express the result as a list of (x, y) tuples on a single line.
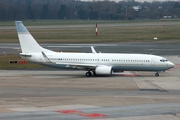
[(170, 64)]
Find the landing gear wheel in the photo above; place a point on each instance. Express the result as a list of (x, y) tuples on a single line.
[(156, 74), (88, 74)]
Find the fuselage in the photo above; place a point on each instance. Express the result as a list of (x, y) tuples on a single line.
[(132, 62)]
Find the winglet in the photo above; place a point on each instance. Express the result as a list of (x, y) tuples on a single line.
[(93, 50)]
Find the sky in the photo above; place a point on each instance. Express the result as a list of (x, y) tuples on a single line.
[(136, 0)]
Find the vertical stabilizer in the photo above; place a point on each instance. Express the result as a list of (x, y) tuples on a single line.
[(27, 42)]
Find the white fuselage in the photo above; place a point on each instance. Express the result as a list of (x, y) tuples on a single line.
[(133, 62)]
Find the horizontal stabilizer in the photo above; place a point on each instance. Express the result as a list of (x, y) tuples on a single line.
[(25, 55)]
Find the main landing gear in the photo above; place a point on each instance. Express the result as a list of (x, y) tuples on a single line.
[(156, 74), (88, 74)]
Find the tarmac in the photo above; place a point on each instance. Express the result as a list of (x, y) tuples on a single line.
[(165, 47), (50, 94), (69, 95)]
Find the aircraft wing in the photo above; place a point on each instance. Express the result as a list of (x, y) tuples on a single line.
[(77, 66), (82, 66)]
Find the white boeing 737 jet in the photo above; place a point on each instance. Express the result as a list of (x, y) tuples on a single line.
[(96, 63)]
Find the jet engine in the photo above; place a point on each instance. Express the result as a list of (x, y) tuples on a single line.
[(103, 70)]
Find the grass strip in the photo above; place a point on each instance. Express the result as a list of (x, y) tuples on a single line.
[(4, 63)]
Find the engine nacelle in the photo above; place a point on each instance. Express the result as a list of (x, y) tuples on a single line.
[(103, 70)]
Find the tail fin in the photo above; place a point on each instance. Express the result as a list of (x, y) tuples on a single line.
[(27, 42)]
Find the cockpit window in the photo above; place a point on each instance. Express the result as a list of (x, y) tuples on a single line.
[(163, 60)]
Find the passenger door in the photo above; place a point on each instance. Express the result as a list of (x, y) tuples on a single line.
[(152, 61)]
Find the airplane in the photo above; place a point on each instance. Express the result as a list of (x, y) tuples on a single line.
[(94, 63)]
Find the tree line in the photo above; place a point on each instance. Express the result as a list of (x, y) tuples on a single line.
[(94, 10)]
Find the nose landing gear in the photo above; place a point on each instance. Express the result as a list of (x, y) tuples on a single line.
[(156, 74)]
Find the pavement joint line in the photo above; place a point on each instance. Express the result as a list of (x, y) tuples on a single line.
[(63, 107)]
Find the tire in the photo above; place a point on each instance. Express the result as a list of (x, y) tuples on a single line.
[(156, 74), (88, 74)]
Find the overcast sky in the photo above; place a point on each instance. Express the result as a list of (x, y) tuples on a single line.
[(135, 0)]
